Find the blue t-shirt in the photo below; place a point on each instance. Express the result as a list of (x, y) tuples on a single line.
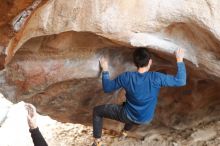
[(142, 90)]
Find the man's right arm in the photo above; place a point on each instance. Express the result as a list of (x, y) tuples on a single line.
[(179, 79)]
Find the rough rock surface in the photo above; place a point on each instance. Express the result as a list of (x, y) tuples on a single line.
[(193, 25), (52, 61), (60, 75)]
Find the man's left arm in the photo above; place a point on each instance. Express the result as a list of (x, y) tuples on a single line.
[(108, 84), (111, 85)]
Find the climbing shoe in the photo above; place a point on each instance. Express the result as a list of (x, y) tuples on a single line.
[(123, 136), (97, 144)]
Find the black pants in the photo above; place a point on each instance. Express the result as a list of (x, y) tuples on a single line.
[(110, 111)]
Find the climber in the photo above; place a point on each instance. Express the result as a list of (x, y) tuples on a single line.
[(142, 88), (36, 135)]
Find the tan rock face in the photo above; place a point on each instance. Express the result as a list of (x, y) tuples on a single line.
[(53, 61), (191, 25), (60, 74)]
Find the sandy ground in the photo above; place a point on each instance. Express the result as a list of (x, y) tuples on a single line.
[(76, 134), (14, 132)]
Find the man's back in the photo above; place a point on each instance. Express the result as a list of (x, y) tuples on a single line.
[(141, 96), (142, 90)]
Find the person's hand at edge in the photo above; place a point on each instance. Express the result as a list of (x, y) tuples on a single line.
[(32, 116)]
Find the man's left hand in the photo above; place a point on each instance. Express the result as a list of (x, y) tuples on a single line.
[(104, 64)]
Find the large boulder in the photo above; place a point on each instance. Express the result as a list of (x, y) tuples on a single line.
[(52, 61)]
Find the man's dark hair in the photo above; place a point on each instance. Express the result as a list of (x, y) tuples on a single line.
[(141, 57)]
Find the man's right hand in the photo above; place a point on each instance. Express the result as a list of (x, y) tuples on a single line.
[(104, 63), (179, 55)]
